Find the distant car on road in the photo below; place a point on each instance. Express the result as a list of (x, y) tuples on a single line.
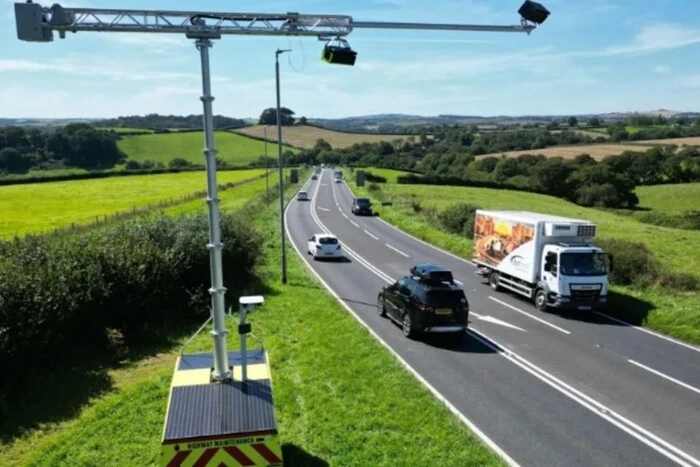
[(324, 246), (314, 177), (361, 206), (338, 179), (302, 196), (426, 301)]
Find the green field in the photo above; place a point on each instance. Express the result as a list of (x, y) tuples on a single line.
[(43, 207), (670, 198), (389, 174), (325, 415), (677, 314), (232, 148)]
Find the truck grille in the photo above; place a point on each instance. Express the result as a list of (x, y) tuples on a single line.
[(585, 297)]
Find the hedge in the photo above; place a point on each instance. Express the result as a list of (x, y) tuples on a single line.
[(60, 297)]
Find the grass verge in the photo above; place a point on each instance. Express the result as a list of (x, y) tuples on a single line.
[(674, 313), (341, 398)]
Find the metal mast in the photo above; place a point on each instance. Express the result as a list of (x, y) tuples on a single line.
[(36, 23)]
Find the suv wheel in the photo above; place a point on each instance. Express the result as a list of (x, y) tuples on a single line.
[(407, 326), (380, 306)]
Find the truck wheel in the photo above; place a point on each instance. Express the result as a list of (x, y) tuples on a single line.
[(380, 306), (541, 300), (407, 326), (493, 281)]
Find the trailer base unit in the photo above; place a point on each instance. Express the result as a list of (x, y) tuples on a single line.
[(228, 423), (549, 259)]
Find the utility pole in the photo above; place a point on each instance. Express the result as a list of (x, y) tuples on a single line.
[(280, 163), (267, 184)]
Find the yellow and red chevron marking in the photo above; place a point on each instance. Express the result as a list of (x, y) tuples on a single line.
[(222, 452)]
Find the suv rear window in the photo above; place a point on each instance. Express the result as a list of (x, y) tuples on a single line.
[(328, 241), (362, 201), (438, 298)]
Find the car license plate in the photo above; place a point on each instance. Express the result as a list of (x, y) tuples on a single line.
[(328, 253), (584, 308), (443, 311)]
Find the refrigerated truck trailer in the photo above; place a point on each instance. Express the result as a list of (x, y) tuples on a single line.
[(548, 259)]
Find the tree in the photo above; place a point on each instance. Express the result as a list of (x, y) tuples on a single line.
[(573, 121), (12, 161), (269, 116), (594, 122), (302, 121), (550, 176)]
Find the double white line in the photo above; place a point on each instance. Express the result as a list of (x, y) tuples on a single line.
[(645, 436), (385, 277)]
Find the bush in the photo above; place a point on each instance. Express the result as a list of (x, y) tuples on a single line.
[(179, 163), (132, 165), (137, 278), (689, 220), (633, 263), (459, 218), (370, 177), (374, 187)]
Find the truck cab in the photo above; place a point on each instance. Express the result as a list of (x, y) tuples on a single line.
[(573, 277)]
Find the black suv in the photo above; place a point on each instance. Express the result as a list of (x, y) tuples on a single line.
[(361, 206), (426, 301)]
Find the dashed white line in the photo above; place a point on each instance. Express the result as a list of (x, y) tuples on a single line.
[(345, 216), (322, 209), (661, 336), (459, 282), (355, 224), (372, 235), (658, 373), (397, 250), (530, 316)]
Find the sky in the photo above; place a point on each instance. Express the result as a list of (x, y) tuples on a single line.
[(590, 56)]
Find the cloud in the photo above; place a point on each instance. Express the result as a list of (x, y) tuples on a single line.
[(656, 38), (96, 68), (662, 69)]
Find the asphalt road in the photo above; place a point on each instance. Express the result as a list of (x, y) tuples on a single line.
[(540, 388)]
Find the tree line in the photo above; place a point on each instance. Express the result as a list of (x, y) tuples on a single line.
[(164, 122), (74, 145), (450, 158)]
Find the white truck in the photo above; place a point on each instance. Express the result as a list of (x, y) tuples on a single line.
[(548, 259)]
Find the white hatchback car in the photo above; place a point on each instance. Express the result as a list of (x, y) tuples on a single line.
[(324, 246), (302, 196)]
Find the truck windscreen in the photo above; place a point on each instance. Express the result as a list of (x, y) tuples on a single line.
[(582, 264)]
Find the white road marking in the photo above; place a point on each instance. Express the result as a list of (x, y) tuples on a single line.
[(324, 184), (659, 445), (658, 373), (372, 235), (463, 418), (530, 316), (493, 320), (345, 216), (639, 328), (599, 409), (322, 209), (397, 250), (355, 224), (459, 282)]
